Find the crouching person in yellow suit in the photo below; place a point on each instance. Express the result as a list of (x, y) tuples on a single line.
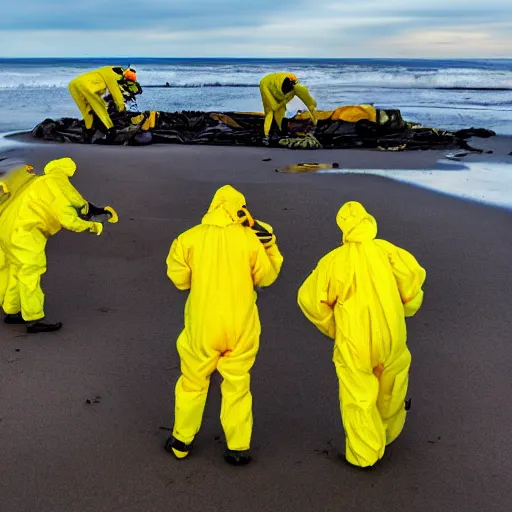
[(88, 91), (220, 261), (359, 295), (46, 204), (277, 90)]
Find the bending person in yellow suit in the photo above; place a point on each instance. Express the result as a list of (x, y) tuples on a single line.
[(46, 205), (359, 295), (220, 261), (88, 91), (277, 90)]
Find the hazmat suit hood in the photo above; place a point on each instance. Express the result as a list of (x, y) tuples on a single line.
[(224, 208), (356, 224), (61, 166)]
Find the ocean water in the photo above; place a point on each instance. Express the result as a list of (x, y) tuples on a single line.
[(488, 183), (447, 94), (450, 94)]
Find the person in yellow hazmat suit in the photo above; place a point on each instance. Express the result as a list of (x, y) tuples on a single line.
[(47, 204), (277, 90), (89, 91), (221, 261), (359, 295)]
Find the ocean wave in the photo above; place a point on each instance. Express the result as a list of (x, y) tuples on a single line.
[(245, 76), (378, 84), (340, 85)]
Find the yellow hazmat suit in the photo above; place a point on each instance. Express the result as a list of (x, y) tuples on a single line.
[(275, 100), (220, 261), (359, 295), (88, 90), (46, 205)]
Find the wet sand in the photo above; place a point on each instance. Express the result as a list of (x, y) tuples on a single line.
[(122, 316)]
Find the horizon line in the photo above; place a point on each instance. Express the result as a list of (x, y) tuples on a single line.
[(255, 58)]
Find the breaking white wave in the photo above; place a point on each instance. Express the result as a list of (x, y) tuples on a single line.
[(246, 75)]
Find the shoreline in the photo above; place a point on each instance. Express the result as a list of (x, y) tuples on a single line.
[(500, 145), (481, 178)]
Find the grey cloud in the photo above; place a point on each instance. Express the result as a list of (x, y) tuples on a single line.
[(468, 13), (140, 14), (412, 20), (428, 13), (204, 24), (183, 15)]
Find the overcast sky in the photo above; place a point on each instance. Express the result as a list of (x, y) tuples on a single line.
[(256, 28)]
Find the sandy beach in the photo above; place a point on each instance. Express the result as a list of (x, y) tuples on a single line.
[(122, 316)]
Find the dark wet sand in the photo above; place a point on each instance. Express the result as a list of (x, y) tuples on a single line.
[(122, 316)]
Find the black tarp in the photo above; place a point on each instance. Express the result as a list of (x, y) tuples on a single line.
[(246, 129)]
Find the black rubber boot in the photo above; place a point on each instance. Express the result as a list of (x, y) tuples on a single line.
[(88, 134), (16, 319), (237, 458), (40, 326), (111, 135), (177, 448)]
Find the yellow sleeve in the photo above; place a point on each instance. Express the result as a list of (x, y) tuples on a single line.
[(303, 93), (276, 261), (66, 204), (275, 257), (111, 82), (178, 269), (317, 297), (265, 263), (411, 307), (409, 276)]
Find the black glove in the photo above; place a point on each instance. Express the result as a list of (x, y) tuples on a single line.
[(266, 237), (95, 214)]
